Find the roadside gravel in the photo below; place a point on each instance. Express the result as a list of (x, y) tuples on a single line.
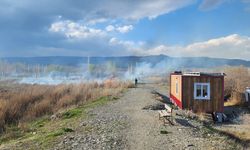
[(124, 124)]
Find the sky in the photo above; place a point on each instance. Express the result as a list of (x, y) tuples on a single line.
[(179, 28)]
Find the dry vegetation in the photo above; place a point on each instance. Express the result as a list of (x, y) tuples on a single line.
[(22, 103), (236, 81)]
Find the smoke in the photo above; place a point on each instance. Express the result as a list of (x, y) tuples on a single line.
[(54, 75), (99, 69), (43, 80), (145, 69), (81, 74), (48, 80)]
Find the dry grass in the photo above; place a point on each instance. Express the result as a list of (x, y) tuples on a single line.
[(240, 134), (236, 81), (240, 130), (27, 102)]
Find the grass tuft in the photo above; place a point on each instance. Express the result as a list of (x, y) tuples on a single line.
[(164, 132), (72, 113), (39, 122), (68, 130)]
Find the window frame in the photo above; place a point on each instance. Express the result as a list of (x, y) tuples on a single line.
[(202, 85)]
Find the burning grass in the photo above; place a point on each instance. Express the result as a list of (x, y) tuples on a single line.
[(24, 103)]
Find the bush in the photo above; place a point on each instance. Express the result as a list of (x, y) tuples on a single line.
[(236, 81), (28, 102)]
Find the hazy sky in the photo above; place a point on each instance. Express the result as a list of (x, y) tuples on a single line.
[(212, 28)]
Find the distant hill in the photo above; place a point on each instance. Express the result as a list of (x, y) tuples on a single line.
[(124, 61)]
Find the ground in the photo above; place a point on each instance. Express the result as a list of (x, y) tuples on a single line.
[(130, 122)]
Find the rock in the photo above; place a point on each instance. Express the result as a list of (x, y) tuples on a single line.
[(71, 137), (75, 144), (83, 124), (190, 145), (53, 117), (60, 144)]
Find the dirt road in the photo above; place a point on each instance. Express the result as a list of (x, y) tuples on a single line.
[(129, 123)]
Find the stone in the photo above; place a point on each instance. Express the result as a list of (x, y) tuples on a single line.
[(53, 117), (83, 124)]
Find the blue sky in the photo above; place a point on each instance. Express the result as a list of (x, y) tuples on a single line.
[(193, 28), (190, 24)]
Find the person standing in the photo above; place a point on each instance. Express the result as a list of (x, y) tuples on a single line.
[(136, 81)]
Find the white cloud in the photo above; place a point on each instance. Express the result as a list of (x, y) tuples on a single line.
[(95, 21), (113, 41), (82, 36), (75, 30), (121, 29), (129, 47), (232, 46), (147, 8), (92, 40), (110, 28), (210, 4), (79, 32), (128, 44), (96, 11), (125, 29)]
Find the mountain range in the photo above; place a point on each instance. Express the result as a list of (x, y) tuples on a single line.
[(124, 61)]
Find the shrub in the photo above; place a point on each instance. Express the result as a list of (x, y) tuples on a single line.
[(236, 81), (28, 102)]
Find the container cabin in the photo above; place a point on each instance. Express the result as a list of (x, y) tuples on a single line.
[(198, 91)]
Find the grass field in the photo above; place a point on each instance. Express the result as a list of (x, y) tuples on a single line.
[(26, 110)]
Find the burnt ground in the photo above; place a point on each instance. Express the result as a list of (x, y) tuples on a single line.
[(132, 123)]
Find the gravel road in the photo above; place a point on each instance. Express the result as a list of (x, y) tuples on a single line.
[(129, 123)]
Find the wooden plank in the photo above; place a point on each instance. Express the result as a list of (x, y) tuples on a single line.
[(212, 90), (168, 108), (169, 120), (209, 103), (164, 113)]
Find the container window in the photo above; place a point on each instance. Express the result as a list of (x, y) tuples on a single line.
[(205, 91), (202, 91), (198, 91)]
